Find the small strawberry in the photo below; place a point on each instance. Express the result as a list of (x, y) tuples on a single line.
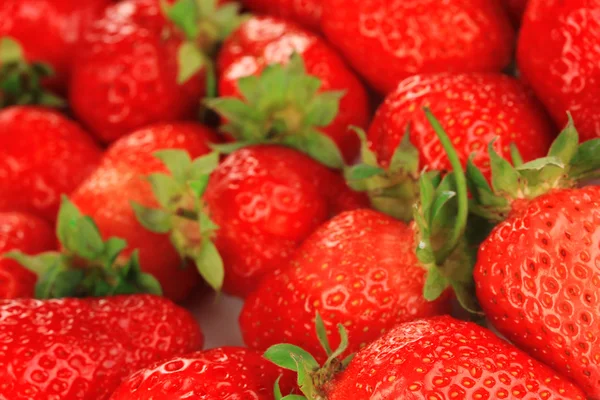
[(305, 12), (537, 274), (436, 358), (107, 194), (557, 57), (387, 41), (42, 155), (26, 233), (80, 349), (220, 373), (317, 93)]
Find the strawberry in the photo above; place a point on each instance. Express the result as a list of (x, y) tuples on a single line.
[(306, 12), (387, 41), (42, 155), (76, 349), (557, 57), (26, 233), (435, 358), (106, 196), (317, 92), (220, 373), (537, 273)]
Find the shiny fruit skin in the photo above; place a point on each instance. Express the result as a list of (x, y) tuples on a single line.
[(49, 30), (538, 279), (359, 269), (557, 55), (474, 109), (42, 155), (266, 200), (443, 358), (106, 195), (26, 233), (81, 349), (387, 41), (261, 41), (305, 12), (125, 76), (224, 373)]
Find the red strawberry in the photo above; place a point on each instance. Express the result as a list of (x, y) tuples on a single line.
[(76, 349), (537, 273), (317, 91), (106, 196), (389, 40), (557, 57), (26, 233), (221, 373), (42, 155), (305, 12)]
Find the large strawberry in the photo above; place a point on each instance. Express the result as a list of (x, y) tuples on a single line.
[(107, 194), (317, 92), (435, 359), (387, 41), (305, 12), (537, 274), (557, 57), (26, 233), (220, 373), (42, 155), (74, 349)]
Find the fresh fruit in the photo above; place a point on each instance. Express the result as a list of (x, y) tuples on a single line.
[(305, 12), (537, 273), (557, 57), (75, 349), (42, 155), (107, 194), (436, 358), (26, 233), (220, 373), (317, 92), (49, 30), (388, 41)]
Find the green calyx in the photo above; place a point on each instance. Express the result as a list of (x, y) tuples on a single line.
[(283, 106), (312, 378), (182, 213), (566, 164), (392, 189), (21, 81), (87, 265), (441, 220)]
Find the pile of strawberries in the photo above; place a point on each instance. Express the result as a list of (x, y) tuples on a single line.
[(381, 181)]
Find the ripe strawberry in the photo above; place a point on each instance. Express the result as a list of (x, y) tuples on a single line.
[(76, 349), (306, 12), (106, 196), (317, 92), (557, 57), (537, 273), (26, 233), (221, 373), (42, 155), (436, 358), (389, 40)]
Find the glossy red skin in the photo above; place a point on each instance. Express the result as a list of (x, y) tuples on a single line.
[(42, 155), (266, 201), (557, 55), (49, 30), (30, 235), (359, 269), (264, 40), (538, 279), (106, 195), (76, 349), (304, 12), (125, 76), (224, 373), (387, 41), (444, 358), (474, 109)]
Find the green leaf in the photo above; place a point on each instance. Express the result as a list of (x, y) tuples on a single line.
[(505, 178), (276, 389), (153, 219), (249, 87), (515, 155), (112, 248), (178, 162), (343, 344), (199, 185), (184, 14), (566, 144), (66, 225), (477, 181), (367, 155), (149, 284), (190, 61), (435, 284), (540, 163), (38, 264), (586, 160), (322, 334), (228, 148), (66, 283), (10, 51), (318, 146), (204, 165), (323, 109), (427, 194), (440, 201), (305, 377), (164, 188), (406, 156), (206, 224), (282, 355), (362, 171), (210, 264), (87, 242)]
